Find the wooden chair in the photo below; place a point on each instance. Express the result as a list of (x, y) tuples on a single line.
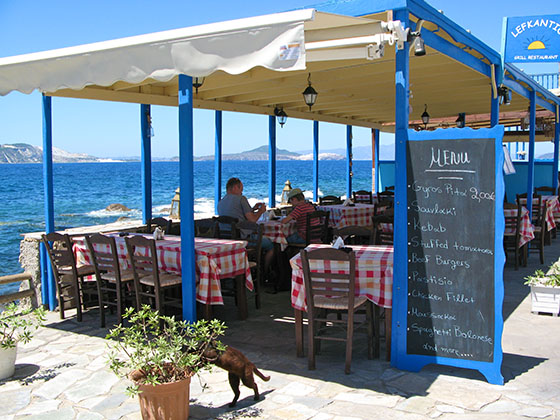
[(162, 222), (328, 200), (382, 207), (546, 191), (355, 235), (540, 229), (69, 278), (205, 228), (383, 230), (362, 196), (512, 234), (253, 233), (115, 287), (390, 188), (317, 226), (225, 227), (160, 290), (333, 292), (536, 207)]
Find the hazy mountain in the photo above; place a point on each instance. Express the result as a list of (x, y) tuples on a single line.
[(386, 152), (261, 153), (26, 153)]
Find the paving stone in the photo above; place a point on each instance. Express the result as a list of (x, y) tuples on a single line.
[(295, 411), (123, 410), (449, 409), (536, 412), (369, 399), (465, 395), (420, 405), (40, 407), (88, 415), (52, 388), (65, 413), (322, 416), (297, 389), (110, 402), (340, 408), (501, 406), (99, 383), (13, 401)]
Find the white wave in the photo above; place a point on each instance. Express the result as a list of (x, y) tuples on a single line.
[(204, 208), (162, 210), (107, 213)]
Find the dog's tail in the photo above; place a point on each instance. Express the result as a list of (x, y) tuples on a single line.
[(260, 374)]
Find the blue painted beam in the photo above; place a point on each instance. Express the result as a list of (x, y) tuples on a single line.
[(494, 108), (375, 138), (531, 168), (146, 159), (186, 175), (48, 293), (348, 161), (545, 99), (400, 273), (271, 161), (556, 151), (217, 160), (315, 161), (357, 7)]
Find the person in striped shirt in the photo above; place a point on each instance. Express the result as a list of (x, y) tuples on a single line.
[(299, 213)]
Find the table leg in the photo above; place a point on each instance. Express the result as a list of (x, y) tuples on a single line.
[(208, 311), (388, 322), (241, 297), (298, 316)]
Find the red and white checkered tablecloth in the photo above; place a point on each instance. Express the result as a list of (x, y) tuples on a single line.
[(553, 213), (342, 216), (526, 232), (278, 232), (215, 259), (374, 274)]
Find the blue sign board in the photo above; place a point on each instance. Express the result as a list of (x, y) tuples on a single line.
[(532, 39)]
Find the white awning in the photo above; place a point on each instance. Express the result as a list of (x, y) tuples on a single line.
[(274, 42)]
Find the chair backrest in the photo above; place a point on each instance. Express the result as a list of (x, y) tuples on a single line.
[(546, 191), (513, 225), (162, 222), (362, 196), (320, 284), (226, 227), (206, 228), (383, 230), (382, 207), (144, 260), (385, 195), (317, 227), (104, 256), (536, 207), (390, 188), (329, 200), (59, 249), (253, 233), (355, 235)]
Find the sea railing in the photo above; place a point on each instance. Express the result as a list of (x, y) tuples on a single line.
[(14, 278), (547, 80)]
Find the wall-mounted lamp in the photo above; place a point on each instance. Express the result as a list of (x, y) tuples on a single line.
[(425, 116), (281, 116), (197, 82), (417, 43), (505, 95), (309, 94), (460, 121)]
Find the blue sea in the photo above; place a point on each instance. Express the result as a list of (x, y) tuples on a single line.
[(82, 191)]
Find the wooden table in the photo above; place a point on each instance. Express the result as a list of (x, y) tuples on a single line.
[(342, 216), (526, 231), (374, 280), (216, 259), (278, 232)]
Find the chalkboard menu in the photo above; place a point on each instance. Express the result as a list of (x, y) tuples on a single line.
[(451, 199)]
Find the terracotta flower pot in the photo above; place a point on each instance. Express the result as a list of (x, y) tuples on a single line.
[(165, 401), (7, 362)]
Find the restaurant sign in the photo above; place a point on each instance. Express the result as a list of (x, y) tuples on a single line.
[(532, 39)]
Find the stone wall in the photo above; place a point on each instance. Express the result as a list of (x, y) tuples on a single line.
[(30, 261)]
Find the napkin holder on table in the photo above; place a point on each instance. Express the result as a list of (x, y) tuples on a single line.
[(158, 233)]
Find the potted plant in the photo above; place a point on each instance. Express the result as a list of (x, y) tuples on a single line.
[(16, 325), (160, 355), (545, 290)]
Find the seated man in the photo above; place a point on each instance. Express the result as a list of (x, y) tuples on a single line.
[(301, 209)]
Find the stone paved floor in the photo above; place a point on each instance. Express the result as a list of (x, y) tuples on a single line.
[(62, 373)]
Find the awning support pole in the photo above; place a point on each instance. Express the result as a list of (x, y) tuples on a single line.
[(145, 124), (48, 289), (375, 138), (315, 161), (531, 167), (494, 106), (349, 161), (186, 175), (271, 161), (218, 160)]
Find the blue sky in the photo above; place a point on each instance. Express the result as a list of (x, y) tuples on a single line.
[(107, 129)]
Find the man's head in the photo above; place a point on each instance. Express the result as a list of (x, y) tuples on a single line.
[(295, 196), (234, 186)]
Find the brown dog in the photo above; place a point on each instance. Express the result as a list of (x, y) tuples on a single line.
[(239, 369)]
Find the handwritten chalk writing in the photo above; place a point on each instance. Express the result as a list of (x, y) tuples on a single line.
[(431, 243), (432, 315), (442, 349), (471, 336), (428, 227), (430, 332), (426, 189), (440, 281), (446, 157), (415, 258), (444, 211), (481, 195), (426, 296), (458, 297), (451, 190), (468, 248), (451, 262)]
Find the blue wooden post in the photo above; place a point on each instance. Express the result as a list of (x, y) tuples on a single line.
[(349, 161), (556, 150), (218, 160), (531, 167), (186, 173), (375, 135), (48, 289), (145, 127), (315, 161), (400, 274), (271, 161), (494, 109)]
